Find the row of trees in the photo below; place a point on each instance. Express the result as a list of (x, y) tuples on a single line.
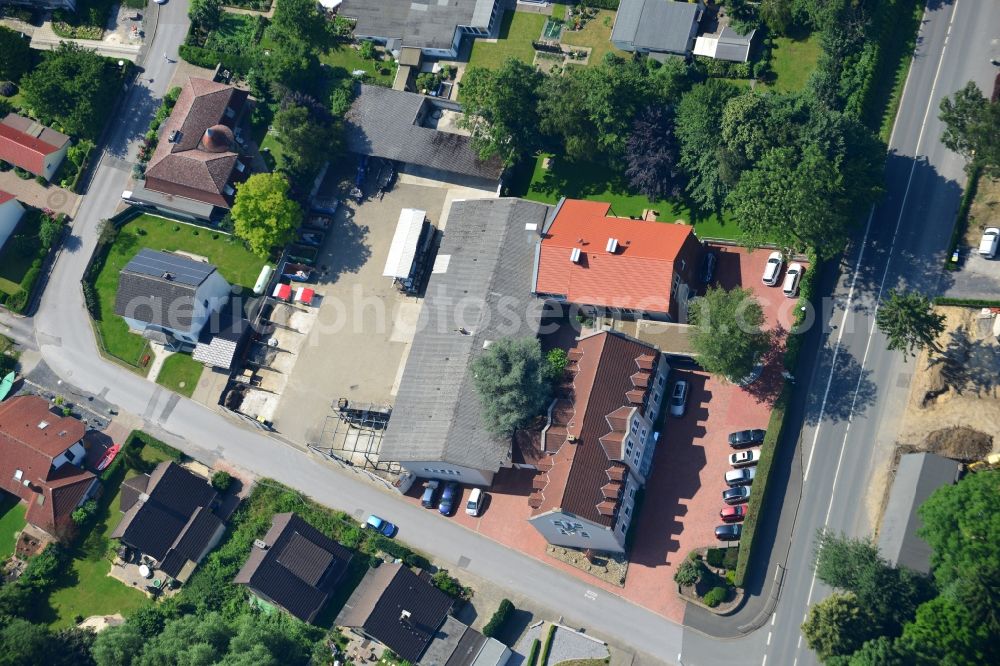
[(880, 615)]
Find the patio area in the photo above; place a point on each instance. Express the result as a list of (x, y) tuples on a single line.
[(143, 576)]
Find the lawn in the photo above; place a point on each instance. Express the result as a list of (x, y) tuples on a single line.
[(596, 182), (517, 31), (229, 255), (20, 250), (271, 150), (596, 34), (180, 373), (11, 522), (793, 60), (85, 588), (236, 34), (345, 59)]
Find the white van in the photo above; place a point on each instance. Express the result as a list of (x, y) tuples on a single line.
[(792, 277), (475, 503), (988, 245)]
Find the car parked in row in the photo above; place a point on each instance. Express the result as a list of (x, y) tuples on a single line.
[(792, 278), (449, 498), (678, 398), (474, 506), (744, 458), (729, 532), (428, 499), (740, 477), (737, 495), (745, 438), (772, 269), (733, 514)]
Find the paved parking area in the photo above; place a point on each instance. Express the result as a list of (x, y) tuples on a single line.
[(683, 495), (977, 277)]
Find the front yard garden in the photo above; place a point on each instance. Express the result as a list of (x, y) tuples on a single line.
[(343, 59), (180, 373), (22, 256), (85, 588), (237, 264), (793, 59), (11, 522), (517, 31)]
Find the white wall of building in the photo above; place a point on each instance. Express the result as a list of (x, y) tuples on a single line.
[(10, 214), (449, 472)]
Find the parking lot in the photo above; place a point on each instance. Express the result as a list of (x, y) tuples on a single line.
[(683, 496), (977, 276)]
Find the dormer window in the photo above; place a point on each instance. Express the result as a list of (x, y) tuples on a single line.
[(230, 113), (18, 474), (69, 455), (228, 190), (240, 166)]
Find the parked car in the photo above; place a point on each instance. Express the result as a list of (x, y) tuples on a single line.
[(792, 278), (737, 495), (678, 399), (729, 532), (429, 499), (449, 495), (733, 514), (772, 269), (708, 267), (744, 438), (744, 458), (988, 245), (382, 526), (740, 477), (475, 504)]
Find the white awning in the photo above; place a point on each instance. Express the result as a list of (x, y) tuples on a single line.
[(706, 46), (403, 249)]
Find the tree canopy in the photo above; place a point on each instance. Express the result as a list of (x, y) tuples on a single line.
[(727, 333), (652, 155), (838, 625), (909, 322), (74, 87), (500, 109), (972, 126), (512, 381), (308, 137), (16, 52), (263, 214)]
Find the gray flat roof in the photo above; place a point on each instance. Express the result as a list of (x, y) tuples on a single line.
[(419, 23), (483, 294), (918, 475), (658, 25)]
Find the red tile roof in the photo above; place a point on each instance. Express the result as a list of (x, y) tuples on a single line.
[(585, 477), (637, 275), (51, 495), (26, 143)]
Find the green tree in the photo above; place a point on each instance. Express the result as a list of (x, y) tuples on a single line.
[(909, 322), (706, 162), (198, 640), (838, 625), (881, 651), (564, 120), (292, 62), (510, 377), (300, 20), (555, 364), (839, 561), (263, 214), (689, 572), (73, 86), (26, 644), (16, 52), (119, 646), (500, 109), (306, 142), (727, 334), (367, 50), (946, 631), (207, 14), (972, 127), (613, 94)]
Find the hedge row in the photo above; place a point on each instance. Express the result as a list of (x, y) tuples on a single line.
[(967, 302), (601, 4), (962, 221), (533, 653), (202, 57), (544, 661), (501, 615)]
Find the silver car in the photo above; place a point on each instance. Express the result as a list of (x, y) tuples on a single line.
[(678, 398)]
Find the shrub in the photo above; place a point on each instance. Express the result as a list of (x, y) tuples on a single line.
[(533, 653), (501, 615), (547, 647), (221, 481), (715, 596), (8, 89), (731, 558), (714, 556), (449, 585), (171, 97), (688, 572), (84, 513)]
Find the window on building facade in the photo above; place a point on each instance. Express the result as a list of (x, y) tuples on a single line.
[(585, 535)]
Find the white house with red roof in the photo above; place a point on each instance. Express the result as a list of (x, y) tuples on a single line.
[(11, 211), (31, 145), (589, 257)]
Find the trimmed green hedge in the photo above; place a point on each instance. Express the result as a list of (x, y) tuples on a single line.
[(138, 436), (202, 57), (967, 302), (548, 645), (501, 615), (962, 220), (533, 653)]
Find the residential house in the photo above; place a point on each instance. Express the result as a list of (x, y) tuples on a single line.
[(657, 27), (436, 28), (197, 165), (410, 616), (599, 443), (614, 265), (726, 44), (917, 477), (168, 297), (32, 146), (41, 461), (421, 133), (11, 212), (294, 567), (479, 291), (168, 517)]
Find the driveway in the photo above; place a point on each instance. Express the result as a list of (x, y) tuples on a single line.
[(977, 277)]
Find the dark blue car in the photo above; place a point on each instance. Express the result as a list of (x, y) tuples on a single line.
[(449, 498)]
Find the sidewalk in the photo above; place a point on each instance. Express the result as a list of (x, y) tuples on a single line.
[(31, 193), (252, 12), (117, 42)]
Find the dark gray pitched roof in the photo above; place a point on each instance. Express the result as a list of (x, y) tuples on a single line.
[(918, 475), (383, 122), (157, 286), (733, 46), (131, 489), (489, 253), (406, 613), (657, 25), (420, 23), (300, 568)]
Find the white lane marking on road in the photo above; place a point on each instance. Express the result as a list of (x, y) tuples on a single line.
[(769, 638), (590, 594), (764, 660), (773, 617)]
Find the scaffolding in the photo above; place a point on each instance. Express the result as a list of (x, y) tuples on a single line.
[(353, 434)]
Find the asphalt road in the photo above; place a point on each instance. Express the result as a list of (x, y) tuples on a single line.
[(854, 390)]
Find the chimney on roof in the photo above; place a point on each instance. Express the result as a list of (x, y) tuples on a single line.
[(574, 255), (612, 246)]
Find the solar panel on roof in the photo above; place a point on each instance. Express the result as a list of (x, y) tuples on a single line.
[(168, 266)]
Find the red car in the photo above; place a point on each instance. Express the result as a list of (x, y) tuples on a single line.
[(733, 514)]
